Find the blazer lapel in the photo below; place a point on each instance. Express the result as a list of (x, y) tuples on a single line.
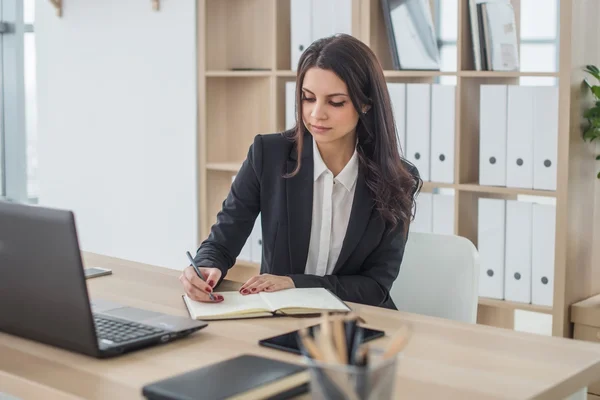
[(299, 192), (359, 218)]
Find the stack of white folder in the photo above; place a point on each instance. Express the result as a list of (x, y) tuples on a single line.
[(516, 248), (518, 136), (424, 115), (252, 250), (315, 19), (434, 214)]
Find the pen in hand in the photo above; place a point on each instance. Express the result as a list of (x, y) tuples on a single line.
[(199, 273)]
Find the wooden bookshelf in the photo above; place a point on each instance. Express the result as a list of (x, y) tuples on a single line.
[(504, 74), (513, 305), (509, 191), (244, 62), (240, 74)]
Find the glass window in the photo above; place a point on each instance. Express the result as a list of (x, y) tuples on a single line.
[(538, 57), (446, 80), (448, 19), (31, 118), (538, 19), (28, 11), (448, 57), (538, 81), (18, 116)]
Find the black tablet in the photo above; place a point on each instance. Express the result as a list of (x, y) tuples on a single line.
[(289, 341)]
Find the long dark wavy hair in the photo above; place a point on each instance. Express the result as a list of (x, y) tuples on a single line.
[(387, 174)]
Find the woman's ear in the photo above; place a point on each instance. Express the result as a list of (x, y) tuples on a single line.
[(366, 108)]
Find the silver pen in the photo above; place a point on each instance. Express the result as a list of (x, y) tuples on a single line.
[(198, 272)]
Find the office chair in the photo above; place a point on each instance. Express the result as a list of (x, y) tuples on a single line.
[(439, 277)]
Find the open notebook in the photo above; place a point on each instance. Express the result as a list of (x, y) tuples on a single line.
[(264, 304)]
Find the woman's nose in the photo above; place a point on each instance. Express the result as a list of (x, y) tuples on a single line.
[(318, 111)]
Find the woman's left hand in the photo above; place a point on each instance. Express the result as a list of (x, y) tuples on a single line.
[(266, 283)]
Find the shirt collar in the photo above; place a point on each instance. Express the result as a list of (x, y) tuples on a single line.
[(319, 164), (346, 177)]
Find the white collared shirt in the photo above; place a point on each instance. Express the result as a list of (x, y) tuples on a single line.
[(332, 203)]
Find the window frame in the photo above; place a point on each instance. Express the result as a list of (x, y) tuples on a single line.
[(13, 134)]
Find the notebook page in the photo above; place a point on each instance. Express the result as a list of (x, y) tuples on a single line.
[(312, 298), (233, 302)]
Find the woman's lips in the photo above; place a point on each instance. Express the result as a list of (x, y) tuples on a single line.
[(320, 129)]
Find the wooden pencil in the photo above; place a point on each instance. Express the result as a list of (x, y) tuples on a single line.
[(398, 343), (340, 340), (310, 346)]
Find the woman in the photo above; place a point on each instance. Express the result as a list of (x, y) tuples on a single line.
[(335, 197)]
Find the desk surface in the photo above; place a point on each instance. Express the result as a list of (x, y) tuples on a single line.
[(445, 359)]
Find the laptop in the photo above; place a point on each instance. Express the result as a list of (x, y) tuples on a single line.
[(44, 297)]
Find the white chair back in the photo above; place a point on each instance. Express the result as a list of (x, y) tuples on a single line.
[(439, 276)]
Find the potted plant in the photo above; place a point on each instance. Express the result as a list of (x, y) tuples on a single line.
[(592, 131)]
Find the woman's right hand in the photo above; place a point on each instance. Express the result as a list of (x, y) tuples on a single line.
[(196, 288)]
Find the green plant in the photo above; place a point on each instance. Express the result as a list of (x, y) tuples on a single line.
[(592, 131)]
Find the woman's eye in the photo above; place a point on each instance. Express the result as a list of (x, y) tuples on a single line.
[(340, 104), (307, 99)]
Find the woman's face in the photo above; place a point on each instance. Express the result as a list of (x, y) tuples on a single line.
[(327, 111)]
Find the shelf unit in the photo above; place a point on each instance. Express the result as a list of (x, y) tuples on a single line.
[(244, 62)]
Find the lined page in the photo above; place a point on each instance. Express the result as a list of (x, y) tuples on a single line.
[(312, 298), (233, 302)]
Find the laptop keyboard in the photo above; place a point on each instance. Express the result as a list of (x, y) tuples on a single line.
[(122, 331)]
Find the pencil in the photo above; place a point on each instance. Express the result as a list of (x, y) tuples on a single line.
[(398, 343), (340, 340), (326, 340), (310, 345)]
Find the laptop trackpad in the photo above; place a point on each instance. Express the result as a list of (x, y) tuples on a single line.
[(132, 314), (155, 319), (102, 306)]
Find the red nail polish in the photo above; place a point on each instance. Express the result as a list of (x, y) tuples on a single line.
[(245, 291), (210, 283), (254, 289), (209, 290), (219, 298)]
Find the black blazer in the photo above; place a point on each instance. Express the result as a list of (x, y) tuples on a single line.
[(369, 261)]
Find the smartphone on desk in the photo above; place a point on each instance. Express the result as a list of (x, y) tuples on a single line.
[(289, 341), (93, 272)]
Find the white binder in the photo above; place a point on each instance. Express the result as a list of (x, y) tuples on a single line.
[(290, 104), (492, 135), (323, 19), (300, 29), (316, 19), (491, 247), (442, 133), (542, 257), (418, 126), (517, 282), (246, 252), (331, 17), (398, 99), (423, 221), (545, 137), (256, 241), (443, 214), (343, 16), (519, 143)]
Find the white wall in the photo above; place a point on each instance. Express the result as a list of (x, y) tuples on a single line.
[(117, 124)]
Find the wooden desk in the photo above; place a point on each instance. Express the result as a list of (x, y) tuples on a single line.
[(445, 359)]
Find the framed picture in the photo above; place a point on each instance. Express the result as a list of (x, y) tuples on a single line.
[(411, 35)]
